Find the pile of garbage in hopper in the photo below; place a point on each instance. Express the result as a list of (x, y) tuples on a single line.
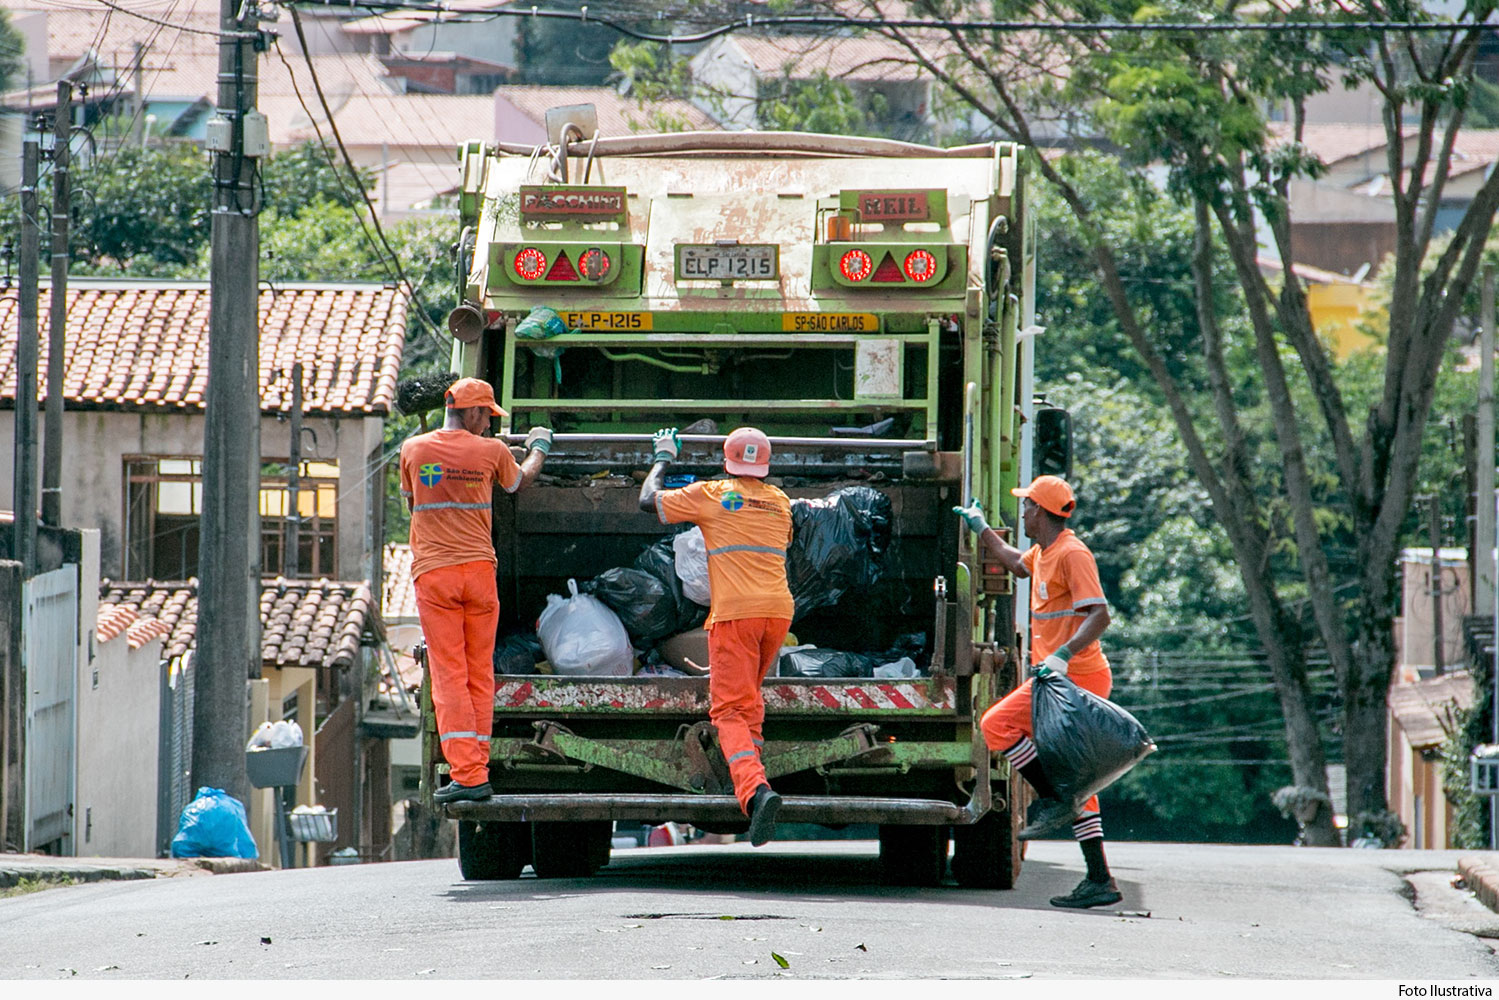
[(648, 617)]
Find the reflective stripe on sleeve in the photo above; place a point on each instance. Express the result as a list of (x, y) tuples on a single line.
[(660, 514), (450, 505), (1069, 613), (467, 735)]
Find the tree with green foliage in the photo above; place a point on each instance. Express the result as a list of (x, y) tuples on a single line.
[(1196, 102)]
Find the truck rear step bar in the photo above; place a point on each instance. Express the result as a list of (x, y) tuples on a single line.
[(820, 809)]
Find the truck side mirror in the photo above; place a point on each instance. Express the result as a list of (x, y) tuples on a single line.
[(1051, 454)]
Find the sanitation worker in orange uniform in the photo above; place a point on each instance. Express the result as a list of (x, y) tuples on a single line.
[(448, 478), (1068, 614), (746, 526)]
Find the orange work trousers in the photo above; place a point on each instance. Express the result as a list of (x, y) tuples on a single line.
[(459, 610), (740, 655), (1010, 718)]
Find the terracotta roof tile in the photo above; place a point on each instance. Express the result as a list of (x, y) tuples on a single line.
[(618, 114), (1427, 710), (398, 601), (304, 623), (145, 345)]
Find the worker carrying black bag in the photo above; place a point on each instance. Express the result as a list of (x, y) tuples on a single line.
[(1084, 743)]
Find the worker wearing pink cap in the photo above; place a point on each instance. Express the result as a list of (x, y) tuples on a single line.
[(746, 526)]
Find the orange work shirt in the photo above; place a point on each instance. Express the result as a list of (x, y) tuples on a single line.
[(1064, 588), (449, 476), (746, 527)]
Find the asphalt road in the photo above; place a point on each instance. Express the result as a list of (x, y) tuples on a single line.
[(1213, 912)]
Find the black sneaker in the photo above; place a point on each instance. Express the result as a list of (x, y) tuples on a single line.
[(1046, 816), (1089, 893), (454, 792), (762, 810)]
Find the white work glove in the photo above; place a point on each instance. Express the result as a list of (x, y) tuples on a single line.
[(1057, 662), (973, 514), (667, 445), (540, 438)]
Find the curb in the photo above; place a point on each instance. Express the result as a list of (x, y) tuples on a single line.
[(36, 868), (1482, 880)]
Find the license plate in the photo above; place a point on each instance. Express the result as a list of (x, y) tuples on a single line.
[(608, 320), (750, 262)]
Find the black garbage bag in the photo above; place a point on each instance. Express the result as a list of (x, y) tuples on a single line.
[(518, 654), (839, 543), (1084, 742), (660, 561), (642, 601), (826, 663)]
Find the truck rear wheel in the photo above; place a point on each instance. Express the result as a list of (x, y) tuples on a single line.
[(986, 855), (913, 855), (570, 850), (490, 851)]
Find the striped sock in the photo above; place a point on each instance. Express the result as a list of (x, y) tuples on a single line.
[(1022, 753), (1089, 833), (1022, 757)]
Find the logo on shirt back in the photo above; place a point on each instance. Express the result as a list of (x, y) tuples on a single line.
[(732, 500), (430, 473)]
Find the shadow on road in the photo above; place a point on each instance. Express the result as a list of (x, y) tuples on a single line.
[(785, 874)]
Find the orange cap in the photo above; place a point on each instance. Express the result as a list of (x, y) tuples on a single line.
[(468, 392), (1052, 493), (746, 452)]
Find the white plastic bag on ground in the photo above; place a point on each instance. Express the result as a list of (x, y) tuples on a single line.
[(692, 566), (581, 636)]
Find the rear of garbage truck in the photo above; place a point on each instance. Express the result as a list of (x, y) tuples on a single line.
[(860, 301)]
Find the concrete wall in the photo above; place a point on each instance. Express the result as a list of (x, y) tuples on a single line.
[(486, 41), (119, 704), (723, 69), (1416, 646), (97, 442)]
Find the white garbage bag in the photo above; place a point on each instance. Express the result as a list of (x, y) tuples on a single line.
[(285, 734), (581, 636), (692, 566)]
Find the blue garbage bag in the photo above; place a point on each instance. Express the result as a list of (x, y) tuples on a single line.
[(213, 826)]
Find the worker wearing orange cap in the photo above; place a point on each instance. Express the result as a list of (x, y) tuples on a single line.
[(1068, 614), (746, 526), (448, 478)]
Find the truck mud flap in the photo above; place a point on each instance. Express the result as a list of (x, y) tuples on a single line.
[(711, 809)]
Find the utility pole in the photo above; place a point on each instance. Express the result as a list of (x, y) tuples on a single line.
[(24, 487), (1434, 524), (1484, 500), (291, 563), (58, 315), (228, 633)]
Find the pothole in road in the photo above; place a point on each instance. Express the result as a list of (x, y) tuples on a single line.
[(704, 916)]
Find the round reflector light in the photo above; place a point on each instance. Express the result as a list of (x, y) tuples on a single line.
[(594, 264), (856, 265), (921, 265), (530, 264)]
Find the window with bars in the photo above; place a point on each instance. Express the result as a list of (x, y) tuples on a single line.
[(164, 502)]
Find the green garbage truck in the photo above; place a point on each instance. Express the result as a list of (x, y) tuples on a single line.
[(866, 303)]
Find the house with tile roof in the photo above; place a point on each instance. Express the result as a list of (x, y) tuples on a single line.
[(734, 72), (135, 374), (318, 637)]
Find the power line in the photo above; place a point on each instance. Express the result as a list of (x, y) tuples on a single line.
[(751, 21), (395, 259), (236, 35)]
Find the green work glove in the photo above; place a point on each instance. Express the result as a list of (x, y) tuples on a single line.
[(973, 515), (667, 445), (1057, 662), (540, 438)]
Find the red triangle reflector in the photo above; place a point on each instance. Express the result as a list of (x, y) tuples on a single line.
[(562, 270), (888, 270)]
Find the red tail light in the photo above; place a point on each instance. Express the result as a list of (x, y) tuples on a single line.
[(530, 264), (594, 264), (921, 265), (856, 265)]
